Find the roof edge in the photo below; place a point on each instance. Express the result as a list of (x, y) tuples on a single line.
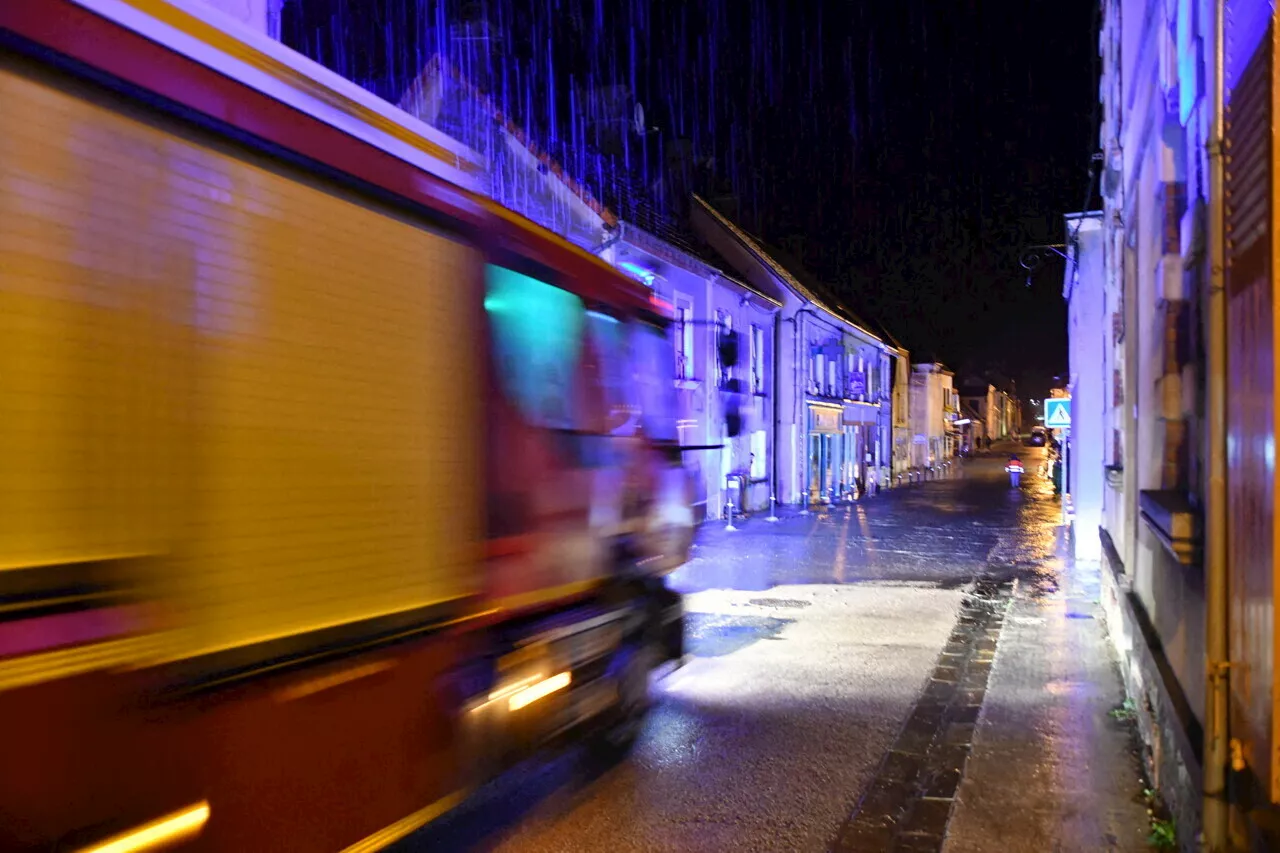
[(780, 271)]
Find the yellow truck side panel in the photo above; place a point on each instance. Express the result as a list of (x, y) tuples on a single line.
[(272, 385)]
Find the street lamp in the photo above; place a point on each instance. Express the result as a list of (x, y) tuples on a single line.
[(1033, 256)]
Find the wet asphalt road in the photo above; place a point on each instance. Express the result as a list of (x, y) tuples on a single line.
[(811, 639), (942, 531)]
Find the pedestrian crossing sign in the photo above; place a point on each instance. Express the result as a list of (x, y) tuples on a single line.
[(1057, 413)]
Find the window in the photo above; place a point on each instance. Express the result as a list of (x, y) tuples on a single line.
[(684, 338), (757, 360), (857, 382), (724, 325)]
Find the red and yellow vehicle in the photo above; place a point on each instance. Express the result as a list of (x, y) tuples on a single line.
[(329, 488)]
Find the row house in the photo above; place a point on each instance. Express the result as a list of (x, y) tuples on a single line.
[(1172, 307), (730, 462), (934, 408), (834, 375), (993, 411), (980, 409), (1009, 415), (900, 452)]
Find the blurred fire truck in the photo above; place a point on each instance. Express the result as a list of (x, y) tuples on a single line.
[(330, 488)]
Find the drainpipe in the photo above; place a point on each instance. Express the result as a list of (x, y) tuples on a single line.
[(773, 392), (1216, 812)]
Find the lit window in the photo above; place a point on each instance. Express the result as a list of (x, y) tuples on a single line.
[(757, 360), (724, 325), (684, 338)]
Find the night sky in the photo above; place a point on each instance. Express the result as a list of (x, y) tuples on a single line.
[(905, 152)]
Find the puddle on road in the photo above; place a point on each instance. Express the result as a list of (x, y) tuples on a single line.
[(711, 635), (779, 602)]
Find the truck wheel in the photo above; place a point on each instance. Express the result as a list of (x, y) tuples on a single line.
[(633, 667)]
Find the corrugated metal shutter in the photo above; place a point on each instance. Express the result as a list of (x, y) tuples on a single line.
[(1251, 408), (270, 386)]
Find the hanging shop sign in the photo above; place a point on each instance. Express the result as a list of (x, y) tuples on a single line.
[(822, 419)]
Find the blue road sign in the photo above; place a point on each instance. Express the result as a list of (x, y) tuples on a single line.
[(1057, 413)]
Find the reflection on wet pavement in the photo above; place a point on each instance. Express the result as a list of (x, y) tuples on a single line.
[(941, 531), (1046, 742), (712, 636), (811, 640)]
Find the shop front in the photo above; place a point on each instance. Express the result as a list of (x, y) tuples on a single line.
[(827, 453), (862, 462)]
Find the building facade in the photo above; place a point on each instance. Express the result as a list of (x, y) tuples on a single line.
[(706, 303), (833, 415), (1087, 334), (935, 408), (1009, 420), (991, 399), (1185, 357), (981, 405), (900, 404)]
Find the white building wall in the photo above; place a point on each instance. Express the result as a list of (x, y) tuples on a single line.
[(1155, 85), (750, 454), (931, 389), (1087, 344), (702, 386), (803, 324)]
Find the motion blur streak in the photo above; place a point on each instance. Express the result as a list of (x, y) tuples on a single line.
[(544, 688), (175, 827), (407, 825)]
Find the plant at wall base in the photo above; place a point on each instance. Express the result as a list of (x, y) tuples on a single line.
[(1164, 832), (1125, 712), (1164, 835)]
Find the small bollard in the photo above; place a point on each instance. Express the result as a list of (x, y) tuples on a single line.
[(729, 526), (773, 508)]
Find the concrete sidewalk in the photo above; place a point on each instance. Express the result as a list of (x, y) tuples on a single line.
[(1051, 769)]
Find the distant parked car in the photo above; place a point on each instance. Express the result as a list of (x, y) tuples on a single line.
[(1037, 437)]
